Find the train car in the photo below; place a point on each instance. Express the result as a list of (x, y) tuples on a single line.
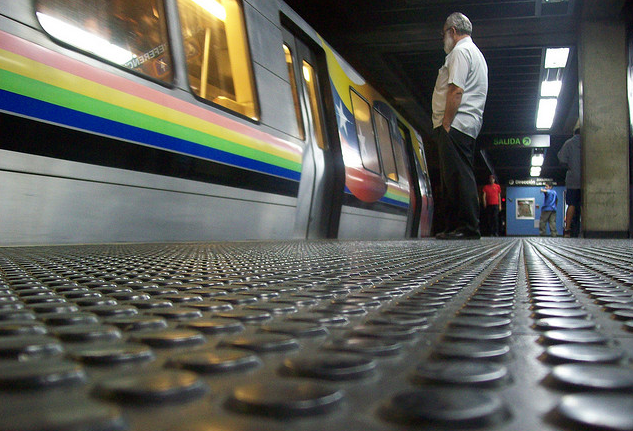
[(192, 120)]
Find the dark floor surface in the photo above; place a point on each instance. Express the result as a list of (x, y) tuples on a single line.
[(504, 334)]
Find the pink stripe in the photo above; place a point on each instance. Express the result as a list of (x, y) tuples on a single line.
[(50, 58)]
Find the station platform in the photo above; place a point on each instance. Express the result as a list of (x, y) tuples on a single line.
[(503, 333)]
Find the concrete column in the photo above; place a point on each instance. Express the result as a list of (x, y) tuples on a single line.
[(605, 122)]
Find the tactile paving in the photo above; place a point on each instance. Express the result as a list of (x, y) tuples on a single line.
[(530, 334)]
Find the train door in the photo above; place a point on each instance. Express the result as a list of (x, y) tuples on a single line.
[(322, 176), (421, 208), (417, 205)]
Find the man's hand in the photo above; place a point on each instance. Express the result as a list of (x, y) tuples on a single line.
[(453, 100)]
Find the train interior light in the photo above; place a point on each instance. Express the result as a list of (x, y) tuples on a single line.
[(213, 7)]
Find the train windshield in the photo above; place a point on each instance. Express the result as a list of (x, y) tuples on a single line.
[(129, 33), (365, 132), (386, 147), (218, 59)]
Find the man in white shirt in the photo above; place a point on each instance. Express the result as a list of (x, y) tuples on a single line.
[(458, 106)]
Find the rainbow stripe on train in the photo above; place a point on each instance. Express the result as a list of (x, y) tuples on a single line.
[(42, 84)]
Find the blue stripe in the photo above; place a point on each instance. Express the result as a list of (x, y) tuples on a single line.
[(27, 106), (394, 202)]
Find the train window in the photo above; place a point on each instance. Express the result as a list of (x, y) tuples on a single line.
[(309, 79), (129, 33), (401, 162), (405, 134), (386, 147), (295, 92), (422, 155), (218, 59), (365, 132)]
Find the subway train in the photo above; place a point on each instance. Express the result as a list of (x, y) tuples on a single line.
[(194, 120)]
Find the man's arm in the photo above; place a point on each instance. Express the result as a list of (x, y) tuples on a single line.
[(453, 100), (484, 199), (563, 156), (499, 201)]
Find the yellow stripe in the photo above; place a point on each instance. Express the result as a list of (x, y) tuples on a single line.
[(342, 82), (339, 78), (397, 194), (50, 75)]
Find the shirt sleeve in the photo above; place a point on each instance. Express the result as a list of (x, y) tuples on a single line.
[(458, 65), (563, 156)]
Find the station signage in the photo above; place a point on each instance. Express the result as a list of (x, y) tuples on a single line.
[(515, 141), (532, 182)]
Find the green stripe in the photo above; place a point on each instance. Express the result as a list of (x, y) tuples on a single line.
[(49, 93), (395, 197)]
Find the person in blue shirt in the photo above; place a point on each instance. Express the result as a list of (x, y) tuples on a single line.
[(548, 211)]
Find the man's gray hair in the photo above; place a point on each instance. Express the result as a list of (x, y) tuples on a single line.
[(461, 23)]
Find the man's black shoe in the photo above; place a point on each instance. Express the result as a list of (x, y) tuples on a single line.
[(442, 235), (462, 235)]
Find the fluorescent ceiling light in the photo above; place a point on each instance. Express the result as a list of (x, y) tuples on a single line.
[(213, 7), (535, 171), (538, 159), (556, 57), (551, 88), (84, 40), (546, 112)]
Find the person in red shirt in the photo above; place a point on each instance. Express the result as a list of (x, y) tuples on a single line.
[(492, 205)]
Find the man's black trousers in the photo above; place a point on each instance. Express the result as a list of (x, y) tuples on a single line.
[(459, 204)]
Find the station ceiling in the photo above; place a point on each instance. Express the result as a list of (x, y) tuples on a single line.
[(396, 45)]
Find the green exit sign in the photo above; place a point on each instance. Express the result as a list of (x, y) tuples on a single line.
[(515, 141)]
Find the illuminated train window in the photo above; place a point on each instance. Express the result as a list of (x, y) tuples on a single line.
[(365, 132), (129, 33), (386, 147), (310, 81), (295, 91), (401, 162), (218, 59)]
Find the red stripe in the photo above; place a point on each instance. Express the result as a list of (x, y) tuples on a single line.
[(59, 61)]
